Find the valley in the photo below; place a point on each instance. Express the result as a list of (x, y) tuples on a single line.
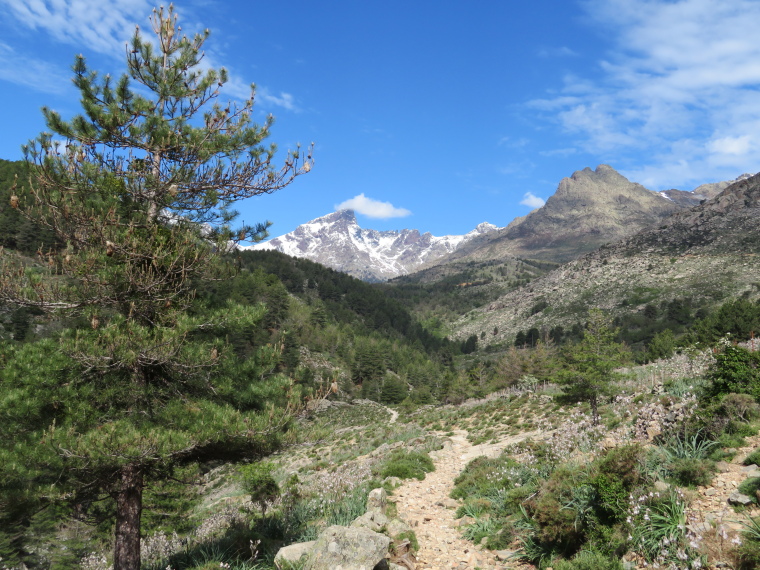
[(456, 389), (575, 388)]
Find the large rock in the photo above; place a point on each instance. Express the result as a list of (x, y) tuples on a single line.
[(289, 555), (345, 548), (396, 527), (372, 520), (737, 498), (377, 500)]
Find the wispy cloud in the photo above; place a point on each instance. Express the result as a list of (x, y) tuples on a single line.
[(236, 87), (30, 72), (680, 83), (559, 152), (532, 201), (105, 27), (101, 26), (562, 51), (284, 100), (373, 208)]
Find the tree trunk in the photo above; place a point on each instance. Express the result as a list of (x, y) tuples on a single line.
[(126, 554)]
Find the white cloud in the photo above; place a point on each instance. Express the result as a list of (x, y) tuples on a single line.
[(678, 90), (567, 151), (104, 27), (30, 72), (563, 51), (532, 201), (284, 100), (372, 208), (239, 89), (731, 145), (93, 24)]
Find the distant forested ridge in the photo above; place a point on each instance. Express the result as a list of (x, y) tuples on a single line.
[(16, 232)]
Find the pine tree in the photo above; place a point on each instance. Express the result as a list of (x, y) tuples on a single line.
[(590, 365), (139, 190)]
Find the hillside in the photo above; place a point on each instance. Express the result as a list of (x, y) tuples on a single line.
[(321, 328), (709, 253)]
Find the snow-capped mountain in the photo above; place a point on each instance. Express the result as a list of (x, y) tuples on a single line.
[(337, 241)]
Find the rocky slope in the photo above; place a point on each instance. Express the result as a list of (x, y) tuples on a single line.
[(337, 241), (700, 193), (710, 252), (589, 209)]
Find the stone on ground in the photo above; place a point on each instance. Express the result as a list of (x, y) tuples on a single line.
[(346, 548)]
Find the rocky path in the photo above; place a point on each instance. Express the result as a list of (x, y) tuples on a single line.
[(426, 507), (710, 508)]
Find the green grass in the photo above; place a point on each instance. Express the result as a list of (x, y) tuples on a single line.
[(407, 465)]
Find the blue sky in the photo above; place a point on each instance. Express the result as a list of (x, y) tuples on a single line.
[(437, 115)]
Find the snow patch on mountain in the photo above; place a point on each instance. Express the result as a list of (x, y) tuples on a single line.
[(336, 240)]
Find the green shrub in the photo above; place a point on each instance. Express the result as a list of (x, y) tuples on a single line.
[(736, 370), (753, 458), (623, 462), (612, 497), (407, 465), (691, 472), (750, 487), (411, 537), (476, 478), (588, 560), (260, 484), (741, 407), (659, 530), (560, 522), (619, 472), (516, 496), (694, 446), (611, 541), (748, 553)]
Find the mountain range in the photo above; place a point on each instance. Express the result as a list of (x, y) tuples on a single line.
[(703, 255), (337, 241), (589, 209)]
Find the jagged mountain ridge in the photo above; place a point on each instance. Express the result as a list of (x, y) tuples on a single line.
[(709, 252), (337, 241), (589, 208)]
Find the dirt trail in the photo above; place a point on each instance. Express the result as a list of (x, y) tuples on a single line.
[(427, 508), (710, 505)]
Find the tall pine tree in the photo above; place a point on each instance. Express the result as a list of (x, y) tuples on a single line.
[(138, 190), (589, 372)]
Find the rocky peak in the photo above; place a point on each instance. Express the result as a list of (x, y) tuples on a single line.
[(336, 240), (484, 228), (604, 176), (712, 189), (589, 208)]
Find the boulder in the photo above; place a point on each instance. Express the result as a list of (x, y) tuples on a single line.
[(393, 482), (395, 527), (376, 500), (347, 548), (373, 520), (289, 555), (737, 498), (504, 555)]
